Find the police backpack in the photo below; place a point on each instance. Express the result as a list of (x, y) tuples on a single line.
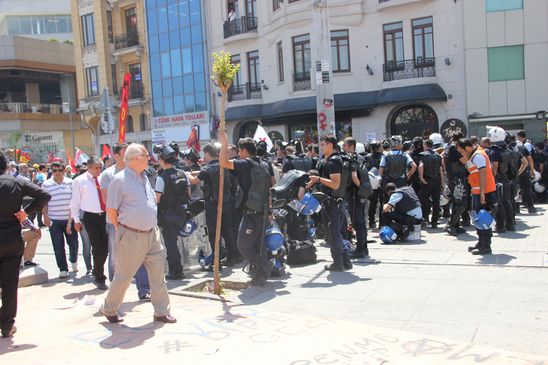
[(301, 253), (395, 166), (259, 191), (346, 176), (365, 189), (302, 163)]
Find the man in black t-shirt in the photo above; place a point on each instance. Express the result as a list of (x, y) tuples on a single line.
[(458, 186), (329, 182), (251, 232)]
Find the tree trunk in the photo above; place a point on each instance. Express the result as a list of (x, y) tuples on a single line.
[(217, 256)]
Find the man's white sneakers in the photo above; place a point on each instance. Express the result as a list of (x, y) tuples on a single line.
[(63, 274), (74, 266)]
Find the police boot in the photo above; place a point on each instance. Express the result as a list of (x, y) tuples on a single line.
[(359, 252)]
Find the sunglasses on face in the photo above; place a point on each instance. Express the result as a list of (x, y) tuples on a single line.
[(57, 170)]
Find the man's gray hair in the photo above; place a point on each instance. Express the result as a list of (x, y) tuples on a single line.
[(134, 149)]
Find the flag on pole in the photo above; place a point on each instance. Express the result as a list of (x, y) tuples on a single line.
[(106, 151), (80, 157), (124, 108), (260, 135), (71, 164), (193, 139)]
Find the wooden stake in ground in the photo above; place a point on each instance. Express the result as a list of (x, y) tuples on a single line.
[(222, 74)]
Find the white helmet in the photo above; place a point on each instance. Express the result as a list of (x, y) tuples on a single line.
[(496, 134), (539, 188), (537, 176), (360, 148), (443, 200), (437, 139), (374, 178)]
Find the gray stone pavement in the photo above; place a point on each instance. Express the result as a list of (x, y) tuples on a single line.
[(431, 291)]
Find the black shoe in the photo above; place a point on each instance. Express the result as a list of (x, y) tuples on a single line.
[(29, 264), (482, 252), (101, 285), (472, 248), (460, 230), (434, 226), (357, 255), (500, 230), (145, 298), (372, 225), (175, 276), (511, 228), (466, 223), (451, 231), (334, 267), (348, 266), (532, 210), (7, 333)]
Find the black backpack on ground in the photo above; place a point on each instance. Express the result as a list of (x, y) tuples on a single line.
[(301, 253)]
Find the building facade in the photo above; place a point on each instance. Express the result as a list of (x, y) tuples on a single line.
[(109, 42), (506, 48), (398, 66), (179, 69)]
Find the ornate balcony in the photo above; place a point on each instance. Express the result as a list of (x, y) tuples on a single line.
[(240, 26), (301, 81), (409, 69), (126, 41), (245, 91)]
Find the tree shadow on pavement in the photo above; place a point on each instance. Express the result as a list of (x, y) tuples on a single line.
[(125, 337), (8, 345), (496, 259), (257, 295)]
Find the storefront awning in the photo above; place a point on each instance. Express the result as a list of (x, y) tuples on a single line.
[(343, 102)]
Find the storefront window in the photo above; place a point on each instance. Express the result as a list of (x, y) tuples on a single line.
[(414, 121)]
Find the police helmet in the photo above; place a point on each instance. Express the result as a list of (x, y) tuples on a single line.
[(310, 204), (443, 200), (483, 220), (496, 134), (395, 141), (191, 155), (205, 261), (374, 178), (274, 238), (189, 228), (262, 148), (360, 148), (387, 235), (539, 188), (386, 144), (406, 146), (167, 152), (417, 143), (437, 140)]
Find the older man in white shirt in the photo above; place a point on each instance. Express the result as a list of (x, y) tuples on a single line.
[(87, 196)]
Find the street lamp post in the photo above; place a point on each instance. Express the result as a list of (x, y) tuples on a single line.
[(71, 127)]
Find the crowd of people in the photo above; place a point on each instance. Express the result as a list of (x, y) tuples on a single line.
[(126, 208)]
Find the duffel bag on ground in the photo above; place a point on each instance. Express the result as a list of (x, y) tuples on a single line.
[(301, 253)]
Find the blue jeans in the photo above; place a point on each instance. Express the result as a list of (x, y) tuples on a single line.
[(58, 233)]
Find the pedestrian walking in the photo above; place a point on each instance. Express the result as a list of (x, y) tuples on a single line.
[(132, 209)]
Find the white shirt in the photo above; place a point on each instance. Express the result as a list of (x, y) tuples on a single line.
[(84, 196), (61, 194)]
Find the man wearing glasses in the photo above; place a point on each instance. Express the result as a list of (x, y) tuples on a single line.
[(57, 218), (131, 207)]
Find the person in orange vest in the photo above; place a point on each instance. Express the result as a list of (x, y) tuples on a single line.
[(484, 190)]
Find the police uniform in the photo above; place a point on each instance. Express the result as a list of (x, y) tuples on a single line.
[(173, 184), (525, 181), (505, 215), (209, 174), (431, 163), (356, 209), (407, 208), (395, 165), (331, 215), (375, 206), (255, 207), (416, 155), (458, 187)]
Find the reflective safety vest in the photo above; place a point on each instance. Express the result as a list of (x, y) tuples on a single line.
[(474, 177)]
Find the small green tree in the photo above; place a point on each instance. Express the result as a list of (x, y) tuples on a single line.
[(223, 73)]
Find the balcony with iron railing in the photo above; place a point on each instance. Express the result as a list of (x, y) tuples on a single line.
[(245, 91), (301, 81), (409, 69), (34, 111), (245, 24), (127, 40)]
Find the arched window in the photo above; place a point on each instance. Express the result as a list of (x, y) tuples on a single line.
[(129, 124), (414, 121), (143, 122)]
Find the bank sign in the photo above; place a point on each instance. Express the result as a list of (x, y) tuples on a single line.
[(177, 127)]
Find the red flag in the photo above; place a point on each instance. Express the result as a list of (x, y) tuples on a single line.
[(106, 151), (124, 108), (71, 164), (194, 140)]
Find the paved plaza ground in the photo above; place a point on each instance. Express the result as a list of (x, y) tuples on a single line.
[(426, 302)]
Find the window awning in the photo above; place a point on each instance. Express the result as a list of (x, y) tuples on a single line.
[(343, 102)]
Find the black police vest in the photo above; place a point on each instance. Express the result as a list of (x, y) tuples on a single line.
[(504, 164), (455, 168), (395, 166), (432, 163), (211, 187), (409, 201), (373, 160), (176, 189), (515, 158)]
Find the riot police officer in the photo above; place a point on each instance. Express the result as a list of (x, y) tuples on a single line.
[(330, 184), (431, 177), (356, 204), (504, 172), (519, 162), (254, 179), (415, 154), (209, 174), (373, 160), (395, 167), (172, 196), (458, 186)]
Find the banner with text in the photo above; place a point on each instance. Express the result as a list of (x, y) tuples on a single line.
[(178, 127)]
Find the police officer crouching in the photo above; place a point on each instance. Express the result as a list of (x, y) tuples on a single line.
[(403, 207), (209, 174), (330, 184), (254, 178), (172, 196), (431, 177)]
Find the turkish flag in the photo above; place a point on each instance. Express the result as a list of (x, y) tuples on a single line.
[(106, 151), (194, 140)]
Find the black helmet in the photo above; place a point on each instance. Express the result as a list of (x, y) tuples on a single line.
[(191, 155), (167, 153), (261, 148)]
